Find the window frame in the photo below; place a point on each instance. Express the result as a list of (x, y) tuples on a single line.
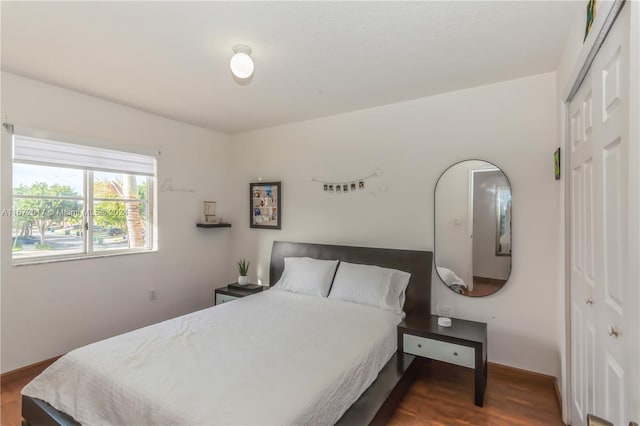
[(88, 211)]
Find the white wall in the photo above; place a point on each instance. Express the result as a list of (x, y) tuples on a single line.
[(571, 51), (49, 309), (511, 124)]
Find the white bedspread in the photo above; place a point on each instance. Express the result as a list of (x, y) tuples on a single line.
[(272, 358)]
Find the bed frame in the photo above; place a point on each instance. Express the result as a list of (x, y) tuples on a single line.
[(377, 404)]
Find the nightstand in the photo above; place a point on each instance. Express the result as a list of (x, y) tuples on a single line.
[(226, 294), (464, 344)]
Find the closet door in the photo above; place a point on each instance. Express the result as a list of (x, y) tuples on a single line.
[(585, 285), (603, 301)]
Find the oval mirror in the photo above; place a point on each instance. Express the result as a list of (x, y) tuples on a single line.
[(473, 228)]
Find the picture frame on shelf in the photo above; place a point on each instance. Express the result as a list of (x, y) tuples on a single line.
[(208, 212), (265, 205)]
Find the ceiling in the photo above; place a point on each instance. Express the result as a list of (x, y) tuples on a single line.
[(312, 58)]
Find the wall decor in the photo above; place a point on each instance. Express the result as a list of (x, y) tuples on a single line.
[(167, 186), (591, 16), (556, 163), (265, 201), (208, 212), (346, 186)]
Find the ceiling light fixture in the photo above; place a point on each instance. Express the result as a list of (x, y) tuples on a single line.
[(241, 63)]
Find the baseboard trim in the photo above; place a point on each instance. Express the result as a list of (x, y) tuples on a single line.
[(556, 387), (26, 371), (521, 371), (552, 380)]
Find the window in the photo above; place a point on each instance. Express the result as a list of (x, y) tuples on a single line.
[(72, 201)]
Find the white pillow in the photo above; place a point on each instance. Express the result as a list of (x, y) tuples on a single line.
[(307, 276), (371, 285)]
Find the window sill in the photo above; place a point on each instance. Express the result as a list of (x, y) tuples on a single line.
[(41, 261)]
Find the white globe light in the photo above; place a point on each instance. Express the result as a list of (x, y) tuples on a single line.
[(241, 65)]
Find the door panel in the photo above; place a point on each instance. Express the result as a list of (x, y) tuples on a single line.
[(589, 368), (614, 391), (577, 355), (576, 218), (582, 254), (612, 146), (604, 346), (611, 85), (587, 208), (613, 223)]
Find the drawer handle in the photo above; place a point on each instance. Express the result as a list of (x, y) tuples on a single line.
[(455, 354), (419, 345)]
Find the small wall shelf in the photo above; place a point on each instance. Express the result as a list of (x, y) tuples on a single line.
[(213, 225)]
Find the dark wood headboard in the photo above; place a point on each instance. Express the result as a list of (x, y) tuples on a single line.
[(417, 263)]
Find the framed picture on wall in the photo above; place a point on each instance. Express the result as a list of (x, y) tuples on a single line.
[(265, 202)]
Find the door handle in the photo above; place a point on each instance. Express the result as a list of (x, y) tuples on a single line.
[(613, 331), (588, 300)]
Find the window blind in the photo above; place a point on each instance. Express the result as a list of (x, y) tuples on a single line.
[(47, 152)]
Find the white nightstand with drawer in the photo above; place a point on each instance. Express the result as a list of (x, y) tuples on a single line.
[(223, 298), (463, 344), (231, 292)]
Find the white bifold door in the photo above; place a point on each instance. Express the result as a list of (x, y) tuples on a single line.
[(604, 297)]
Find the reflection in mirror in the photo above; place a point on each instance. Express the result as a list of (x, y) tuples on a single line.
[(473, 228)]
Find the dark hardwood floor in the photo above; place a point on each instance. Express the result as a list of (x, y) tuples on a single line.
[(441, 395), (484, 286), (11, 403), (12, 383)]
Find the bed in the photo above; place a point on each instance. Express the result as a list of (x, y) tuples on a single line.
[(272, 358), (451, 280)]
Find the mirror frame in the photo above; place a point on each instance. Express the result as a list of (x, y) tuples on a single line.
[(435, 245)]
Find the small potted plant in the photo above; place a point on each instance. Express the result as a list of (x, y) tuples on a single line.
[(243, 270)]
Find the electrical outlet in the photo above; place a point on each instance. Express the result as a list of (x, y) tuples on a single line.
[(153, 295)]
